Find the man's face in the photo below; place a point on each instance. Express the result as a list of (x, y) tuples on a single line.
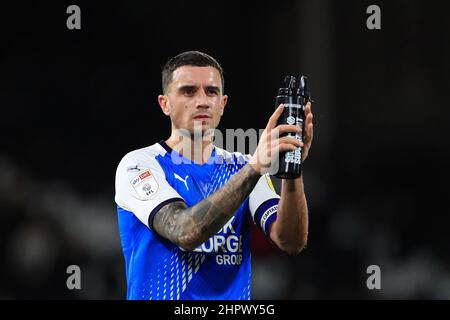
[(194, 97)]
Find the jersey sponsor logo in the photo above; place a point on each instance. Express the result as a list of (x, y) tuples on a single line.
[(145, 184), (145, 175), (226, 243)]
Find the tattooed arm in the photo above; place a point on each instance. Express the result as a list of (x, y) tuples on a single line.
[(190, 227)]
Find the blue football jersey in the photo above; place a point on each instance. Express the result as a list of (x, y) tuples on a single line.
[(149, 178)]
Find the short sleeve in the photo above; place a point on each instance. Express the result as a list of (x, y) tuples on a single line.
[(263, 203), (142, 188)]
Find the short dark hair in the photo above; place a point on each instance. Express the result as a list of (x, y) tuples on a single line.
[(188, 58)]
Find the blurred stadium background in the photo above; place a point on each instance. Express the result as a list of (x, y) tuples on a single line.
[(72, 103)]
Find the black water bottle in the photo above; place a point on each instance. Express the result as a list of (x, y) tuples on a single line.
[(294, 101)]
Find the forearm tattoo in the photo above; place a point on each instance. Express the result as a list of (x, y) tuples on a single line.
[(190, 227)]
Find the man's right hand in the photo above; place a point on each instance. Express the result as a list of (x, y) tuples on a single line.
[(265, 158)]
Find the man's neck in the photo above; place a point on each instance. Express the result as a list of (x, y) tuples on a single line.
[(198, 151)]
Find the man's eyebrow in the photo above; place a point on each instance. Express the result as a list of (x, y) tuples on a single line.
[(187, 87), (194, 87), (213, 88)]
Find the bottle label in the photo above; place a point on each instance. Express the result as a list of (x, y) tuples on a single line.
[(293, 105), (293, 157), (296, 155)]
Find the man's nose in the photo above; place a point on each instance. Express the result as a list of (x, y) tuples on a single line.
[(202, 100)]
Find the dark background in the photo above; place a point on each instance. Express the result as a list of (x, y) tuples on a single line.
[(73, 102)]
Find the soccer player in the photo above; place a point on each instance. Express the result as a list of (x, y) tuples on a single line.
[(185, 205)]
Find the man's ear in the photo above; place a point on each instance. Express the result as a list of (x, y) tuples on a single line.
[(224, 103), (164, 104)]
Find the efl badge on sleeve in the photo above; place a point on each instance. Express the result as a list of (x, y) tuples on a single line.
[(145, 184)]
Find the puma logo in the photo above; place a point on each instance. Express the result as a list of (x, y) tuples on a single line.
[(132, 169), (181, 179)]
